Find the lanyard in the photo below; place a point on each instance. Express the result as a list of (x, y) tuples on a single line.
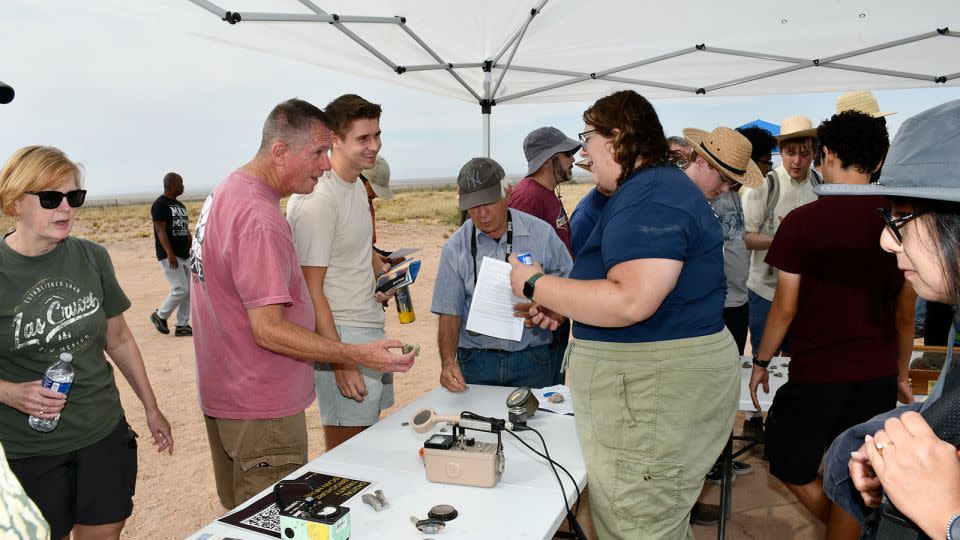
[(473, 245)]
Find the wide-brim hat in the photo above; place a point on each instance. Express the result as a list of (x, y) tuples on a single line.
[(796, 127), (379, 178), (727, 151), (922, 162), (542, 144), (860, 100)]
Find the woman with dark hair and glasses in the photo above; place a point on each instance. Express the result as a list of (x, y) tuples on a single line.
[(898, 452), (654, 371), (60, 295)]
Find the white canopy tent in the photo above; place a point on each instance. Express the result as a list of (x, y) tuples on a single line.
[(514, 51)]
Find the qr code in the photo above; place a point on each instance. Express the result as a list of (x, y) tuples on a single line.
[(267, 519)]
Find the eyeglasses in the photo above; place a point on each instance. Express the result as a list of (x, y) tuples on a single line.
[(729, 181), (52, 199), (767, 162), (585, 136), (894, 223), (724, 178)]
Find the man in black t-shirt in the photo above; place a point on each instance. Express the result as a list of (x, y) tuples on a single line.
[(171, 233)]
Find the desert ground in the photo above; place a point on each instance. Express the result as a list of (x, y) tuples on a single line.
[(176, 494)]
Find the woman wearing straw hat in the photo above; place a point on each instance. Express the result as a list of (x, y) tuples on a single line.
[(654, 371), (918, 472), (720, 163)]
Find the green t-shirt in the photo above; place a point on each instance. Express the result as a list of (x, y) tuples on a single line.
[(59, 302)]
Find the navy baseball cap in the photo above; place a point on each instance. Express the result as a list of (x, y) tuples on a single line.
[(479, 183)]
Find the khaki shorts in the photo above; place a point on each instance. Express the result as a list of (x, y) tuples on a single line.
[(250, 455), (652, 419), (336, 410)]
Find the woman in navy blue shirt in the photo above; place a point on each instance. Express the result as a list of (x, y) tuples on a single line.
[(654, 372)]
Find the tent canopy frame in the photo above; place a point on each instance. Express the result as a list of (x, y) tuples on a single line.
[(512, 44)]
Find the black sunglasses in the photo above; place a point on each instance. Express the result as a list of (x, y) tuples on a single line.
[(894, 223), (52, 199)]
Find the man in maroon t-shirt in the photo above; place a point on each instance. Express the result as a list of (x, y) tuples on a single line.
[(550, 156), (848, 310)]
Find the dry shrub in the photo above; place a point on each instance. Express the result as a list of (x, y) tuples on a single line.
[(108, 221)]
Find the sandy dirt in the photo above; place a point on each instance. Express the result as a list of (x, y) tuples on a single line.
[(176, 494)]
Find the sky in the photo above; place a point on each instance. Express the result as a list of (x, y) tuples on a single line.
[(132, 101)]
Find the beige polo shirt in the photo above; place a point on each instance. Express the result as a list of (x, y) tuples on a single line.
[(762, 279), (332, 228)]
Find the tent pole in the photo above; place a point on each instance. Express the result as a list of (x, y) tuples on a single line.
[(486, 104), (486, 107)]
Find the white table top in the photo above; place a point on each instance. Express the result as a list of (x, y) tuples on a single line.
[(525, 504), (778, 365)]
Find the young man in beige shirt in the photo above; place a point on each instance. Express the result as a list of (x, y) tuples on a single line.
[(785, 188), (333, 233)]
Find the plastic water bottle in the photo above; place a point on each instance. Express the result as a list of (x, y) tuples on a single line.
[(59, 378), (405, 306)]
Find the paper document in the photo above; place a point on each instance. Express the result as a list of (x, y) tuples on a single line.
[(491, 311)]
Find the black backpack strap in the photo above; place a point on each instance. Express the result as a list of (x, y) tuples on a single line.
[(815, 178)]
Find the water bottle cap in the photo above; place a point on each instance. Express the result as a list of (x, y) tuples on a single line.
[(66, 357)]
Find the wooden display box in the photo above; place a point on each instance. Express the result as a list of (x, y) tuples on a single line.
[(922, 380), (924, 371)]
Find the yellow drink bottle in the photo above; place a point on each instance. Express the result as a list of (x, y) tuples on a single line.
[(405, 306)]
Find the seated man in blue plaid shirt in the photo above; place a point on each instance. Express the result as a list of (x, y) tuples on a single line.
[(494, 231)]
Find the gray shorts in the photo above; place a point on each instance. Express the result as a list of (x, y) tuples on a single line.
[(336, 410)]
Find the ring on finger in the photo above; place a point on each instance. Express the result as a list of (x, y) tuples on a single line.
[(881, 445), (41, 408)]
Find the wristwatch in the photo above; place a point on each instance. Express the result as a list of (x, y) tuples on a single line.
[(953, 528), (528, 285), (761, 363)]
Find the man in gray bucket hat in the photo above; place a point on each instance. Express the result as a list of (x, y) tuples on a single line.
[(492, 231), (550, 156)]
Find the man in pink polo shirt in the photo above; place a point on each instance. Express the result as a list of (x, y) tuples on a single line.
[(252, 314)]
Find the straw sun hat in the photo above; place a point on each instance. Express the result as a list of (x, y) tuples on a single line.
[(796, 127), (860, 100), (728, 152)]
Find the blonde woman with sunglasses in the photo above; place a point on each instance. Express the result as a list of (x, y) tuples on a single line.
[(60, 294)]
